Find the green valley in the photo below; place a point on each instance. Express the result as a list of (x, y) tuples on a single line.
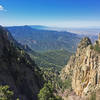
[(51, 59)]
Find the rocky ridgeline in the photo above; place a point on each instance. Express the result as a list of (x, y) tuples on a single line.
[(17, 70), (84, 67)]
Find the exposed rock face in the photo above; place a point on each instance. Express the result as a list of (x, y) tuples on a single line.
[(99, 38), (17, 69), (84, 68)]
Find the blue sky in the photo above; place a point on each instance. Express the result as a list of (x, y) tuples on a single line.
[(61, 13)]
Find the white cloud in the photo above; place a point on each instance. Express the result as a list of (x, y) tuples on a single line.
[(1, 8)]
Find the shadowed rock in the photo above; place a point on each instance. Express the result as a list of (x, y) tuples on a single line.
[(17, 69)]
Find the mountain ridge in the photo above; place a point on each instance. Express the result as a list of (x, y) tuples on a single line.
[(17, 69), (43, 40)]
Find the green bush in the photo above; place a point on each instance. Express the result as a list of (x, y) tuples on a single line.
[(65, 84), (5, 93), (97, 48), (46, 93), (93, 96)]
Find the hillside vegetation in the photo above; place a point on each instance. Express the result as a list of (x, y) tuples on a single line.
[(51, 59), (43, 40)]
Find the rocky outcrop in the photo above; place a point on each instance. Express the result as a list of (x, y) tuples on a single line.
[(17, 69), (99, 38), (84, 68)]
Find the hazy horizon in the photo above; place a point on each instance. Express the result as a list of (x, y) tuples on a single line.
[(54, 13)]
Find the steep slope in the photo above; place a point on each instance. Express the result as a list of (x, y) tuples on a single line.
[(17, 69), (56, 59), (41, 40), (84, 68)]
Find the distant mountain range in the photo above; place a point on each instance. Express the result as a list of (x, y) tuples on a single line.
[(39, 27), (81, 31), (43, 40), (91, 32)]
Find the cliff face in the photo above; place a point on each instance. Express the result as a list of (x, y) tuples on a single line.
[(84, 67), (17, 69)]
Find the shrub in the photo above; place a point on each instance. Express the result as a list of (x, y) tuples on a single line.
[(93, 96), (97, 48), (46, 93), (5, 93)]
